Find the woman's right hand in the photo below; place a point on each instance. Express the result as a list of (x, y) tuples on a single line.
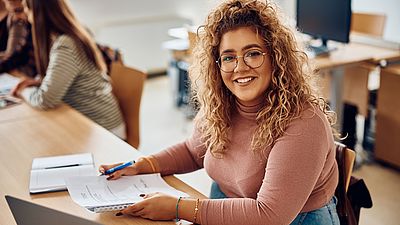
[(139, 167)]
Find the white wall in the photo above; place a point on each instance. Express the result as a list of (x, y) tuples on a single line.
[(140, 42), (138, 27), (288, 7)]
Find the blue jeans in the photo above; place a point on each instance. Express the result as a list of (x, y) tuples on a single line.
[(325, 215), (216, 193)]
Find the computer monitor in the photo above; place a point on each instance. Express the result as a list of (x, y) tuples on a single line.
[(325, 19)]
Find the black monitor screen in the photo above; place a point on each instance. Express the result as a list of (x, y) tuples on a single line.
[(325, 19)]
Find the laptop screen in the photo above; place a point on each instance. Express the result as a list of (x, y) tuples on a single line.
[(28, 213)]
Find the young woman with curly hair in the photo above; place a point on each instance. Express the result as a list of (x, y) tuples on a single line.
[(261, 133)]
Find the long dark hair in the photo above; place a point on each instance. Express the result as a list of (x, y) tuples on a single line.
[(54, 17)]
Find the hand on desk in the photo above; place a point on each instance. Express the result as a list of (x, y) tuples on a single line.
[(155, 206), (25, 82)]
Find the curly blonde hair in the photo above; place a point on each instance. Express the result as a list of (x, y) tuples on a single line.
[(287, 95)]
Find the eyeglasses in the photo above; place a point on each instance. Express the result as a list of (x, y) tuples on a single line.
[(252, 58)]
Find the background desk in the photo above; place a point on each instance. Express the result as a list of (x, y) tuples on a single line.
[(348, 56), (26, 133)]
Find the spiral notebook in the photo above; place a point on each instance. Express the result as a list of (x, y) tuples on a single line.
[(97, 194)]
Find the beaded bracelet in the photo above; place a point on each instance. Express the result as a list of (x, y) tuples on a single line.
[(177, 209), (196, 210)]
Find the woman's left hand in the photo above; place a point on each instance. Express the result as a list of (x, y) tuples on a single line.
[(26, 82), (156, 206)]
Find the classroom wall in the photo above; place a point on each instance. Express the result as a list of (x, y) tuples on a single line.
[(139, 27), (140, 42)]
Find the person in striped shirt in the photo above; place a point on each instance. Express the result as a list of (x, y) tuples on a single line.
[(70, 66)]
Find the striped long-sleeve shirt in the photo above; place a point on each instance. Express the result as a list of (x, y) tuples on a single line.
[(73, 79)]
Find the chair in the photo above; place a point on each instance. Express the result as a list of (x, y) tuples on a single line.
[(345, 160), (128, 87), (368, 24), (192, 41), (348, 156)]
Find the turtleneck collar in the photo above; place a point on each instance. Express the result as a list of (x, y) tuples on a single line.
[(249, 112)]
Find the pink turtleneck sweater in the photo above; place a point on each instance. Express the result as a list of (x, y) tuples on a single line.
[(298, 174)]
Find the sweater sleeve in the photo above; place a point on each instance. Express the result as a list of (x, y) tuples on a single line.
[(293, 168), (60, 74), (184, 157)]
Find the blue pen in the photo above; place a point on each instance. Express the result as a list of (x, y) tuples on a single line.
[(120, 167)]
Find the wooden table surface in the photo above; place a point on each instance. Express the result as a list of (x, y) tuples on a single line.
[(345, 56), (26, 133), (353, 54)]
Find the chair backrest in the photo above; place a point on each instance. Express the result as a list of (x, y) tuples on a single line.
[(369, 24), (349, 158), (345, 158), (192, 41), (128, 87)]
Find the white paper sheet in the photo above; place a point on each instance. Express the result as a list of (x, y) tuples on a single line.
[(62, 160), (98, 194), (45, 180)]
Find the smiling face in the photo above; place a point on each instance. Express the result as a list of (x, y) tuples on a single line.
[(246, 83)]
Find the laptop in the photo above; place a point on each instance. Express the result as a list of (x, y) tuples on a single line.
[(28, 213)]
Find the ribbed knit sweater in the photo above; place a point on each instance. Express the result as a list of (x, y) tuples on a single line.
[(297, 174)]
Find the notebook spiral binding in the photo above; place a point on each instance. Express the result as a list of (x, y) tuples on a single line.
[(109, 208)]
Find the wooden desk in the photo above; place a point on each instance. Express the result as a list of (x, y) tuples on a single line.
[(24, 111), (387, 147), (27, 133), (348, 56), (353, 54)]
